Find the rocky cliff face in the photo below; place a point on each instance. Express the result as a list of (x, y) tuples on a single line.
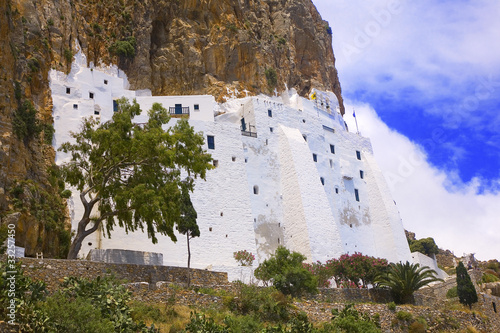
[(168, 46)]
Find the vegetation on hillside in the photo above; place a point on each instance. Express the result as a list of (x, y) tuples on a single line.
[(465, 288)]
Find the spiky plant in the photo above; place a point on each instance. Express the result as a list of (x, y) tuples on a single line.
[(405, 279)]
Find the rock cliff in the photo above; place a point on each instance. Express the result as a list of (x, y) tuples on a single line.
[(171, 47)]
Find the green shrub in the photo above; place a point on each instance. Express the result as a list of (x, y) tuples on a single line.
[(243, 324), (452, 293), (351, 321), (34, 64), (268, 303), (76, 315), (404, 316), (124, 48), (200, 323), (68, 55), (25, 124), (48, 133), (391, 306), (17, 90), (66, 194), (50, 22), (286, 272), (486, 278), (418, 326), (281, 41), (271, 77)]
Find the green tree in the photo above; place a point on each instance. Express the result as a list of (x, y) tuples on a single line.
[(187, 224), (426, 246), (465, 288), (405, 279), (130, 174), (287, 273)]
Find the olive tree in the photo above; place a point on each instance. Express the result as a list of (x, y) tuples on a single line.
[(132, 175)]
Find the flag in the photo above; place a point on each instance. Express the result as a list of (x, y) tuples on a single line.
[(354, 113)]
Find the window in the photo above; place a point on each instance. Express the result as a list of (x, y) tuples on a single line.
[(115, 106), (197, 107), (358, 155), (255, 189), (91, 95), (361, 174), (210, 229), (332, 149), (211, 141), (322, 180), (233, 158), (246, 159), (271, 129), (221, 213), (105, 81), (337, 190), (356, 194), (270, 113), (96, 112), (68, 90), (75, 106), (303, 120), (315, 158), (329, 129)]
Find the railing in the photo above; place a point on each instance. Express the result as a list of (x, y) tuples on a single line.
[(248, 131), (179, 112)]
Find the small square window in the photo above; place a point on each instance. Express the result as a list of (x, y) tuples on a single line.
[(68, 90), (315, 158), (197, 107), (105, 81), (270, 113), (91, 95), (75, 106), (332, 149), (358, 155), (211, 141), (233, 158), (361, 174), (246, 160), (96, 112), (356, 194), (337, 190)]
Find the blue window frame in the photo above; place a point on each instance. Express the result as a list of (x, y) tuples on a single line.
[(211, 141), (115, 106)]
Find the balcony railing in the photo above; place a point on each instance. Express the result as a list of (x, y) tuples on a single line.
[(179, 112), (247, 131)]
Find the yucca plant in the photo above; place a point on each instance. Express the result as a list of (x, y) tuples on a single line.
[(405, 279)]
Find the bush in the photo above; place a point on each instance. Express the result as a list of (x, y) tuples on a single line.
[(76, 315), (426, 246), (391, 306), (452, 293), (285, 270), (486, 278), (243, 324), (267, 303), (351, 321), (200, 323), (124, 48), (404, 316), (271, 77), (244, 258), (25, 124)]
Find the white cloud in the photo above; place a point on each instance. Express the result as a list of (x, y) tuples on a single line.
[(454, 215)]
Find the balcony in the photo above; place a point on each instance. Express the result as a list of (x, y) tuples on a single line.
[(179, 111), (246, 130)]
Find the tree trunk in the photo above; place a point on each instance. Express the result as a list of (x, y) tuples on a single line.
[(189, 261), (75, 247)]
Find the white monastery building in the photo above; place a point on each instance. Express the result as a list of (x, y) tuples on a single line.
[(288, 172)]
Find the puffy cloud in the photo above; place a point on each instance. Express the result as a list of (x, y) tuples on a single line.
[(431, 202)]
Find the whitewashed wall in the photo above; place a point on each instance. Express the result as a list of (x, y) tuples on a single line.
[(267, 190)]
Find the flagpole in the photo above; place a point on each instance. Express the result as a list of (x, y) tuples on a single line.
[(356, 119)]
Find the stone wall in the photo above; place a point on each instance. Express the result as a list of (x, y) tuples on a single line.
[(53, 271)]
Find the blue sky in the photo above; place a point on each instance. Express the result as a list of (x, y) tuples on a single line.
[(424, 78)]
